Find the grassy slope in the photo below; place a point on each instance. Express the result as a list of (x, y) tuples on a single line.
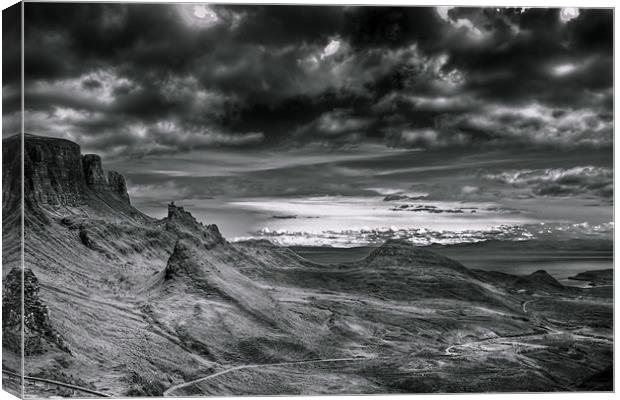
[(142, 311)]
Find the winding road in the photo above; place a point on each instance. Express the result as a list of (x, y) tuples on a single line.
[(525, 303), (449, 351), (174, 388)]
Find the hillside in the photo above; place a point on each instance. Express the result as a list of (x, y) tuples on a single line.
[(140, 306), (600, 277)]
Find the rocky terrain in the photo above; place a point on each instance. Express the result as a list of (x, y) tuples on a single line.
[(130, 305)]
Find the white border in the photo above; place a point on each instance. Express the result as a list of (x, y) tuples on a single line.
[(482, 3)]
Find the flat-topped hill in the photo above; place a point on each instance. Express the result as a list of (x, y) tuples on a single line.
[(56, 174)]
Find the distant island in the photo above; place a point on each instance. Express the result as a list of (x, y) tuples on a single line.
[(596, 278)]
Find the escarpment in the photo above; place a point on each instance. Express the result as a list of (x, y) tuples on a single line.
[(53, 172), (57, 174)]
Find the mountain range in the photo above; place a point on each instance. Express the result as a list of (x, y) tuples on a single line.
[(129, 305)]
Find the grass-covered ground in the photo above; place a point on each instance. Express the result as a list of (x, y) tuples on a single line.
[(150, 307)]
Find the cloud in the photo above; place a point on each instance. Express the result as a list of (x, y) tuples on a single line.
[(568, 14), (443, 11), (223, 100), (330, 49), (424, 138), (436, 103), (472, 30), (337, 122), (114, 137), (407, 76), (576, 181), (424, 236), (564, 69), (527, 125)]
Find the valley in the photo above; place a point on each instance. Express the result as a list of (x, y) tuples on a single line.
[(129, 305)]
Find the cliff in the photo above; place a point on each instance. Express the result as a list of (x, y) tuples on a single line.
[(11, 172), (53, 172), (57, 174), (98, 181)]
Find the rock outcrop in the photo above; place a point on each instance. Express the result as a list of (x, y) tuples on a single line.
[(179, 262), (117, 185), (98, 181), (12, 311), (39, 335), (183, 224), (93, 172)]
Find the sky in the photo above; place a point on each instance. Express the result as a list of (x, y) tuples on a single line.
[(335, 125)]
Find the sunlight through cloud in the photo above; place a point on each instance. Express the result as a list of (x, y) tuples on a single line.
[(568, 13)]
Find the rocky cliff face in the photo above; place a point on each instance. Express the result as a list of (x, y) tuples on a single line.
[(53, 172), (117, 185), (98, 181), (11, 172), (56, 173), (93, 172)]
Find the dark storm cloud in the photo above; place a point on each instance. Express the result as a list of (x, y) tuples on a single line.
[(11, 44), (11, 69), (138, 79), (283, 25), (515, 60)]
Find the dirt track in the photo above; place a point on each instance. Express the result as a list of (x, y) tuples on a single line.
[(172, 389)]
